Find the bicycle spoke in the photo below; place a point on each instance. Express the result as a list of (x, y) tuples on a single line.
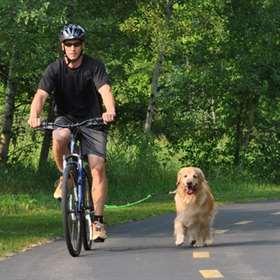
[(88, 208), (71, 216)]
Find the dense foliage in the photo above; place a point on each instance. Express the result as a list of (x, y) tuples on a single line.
[(209, 69)]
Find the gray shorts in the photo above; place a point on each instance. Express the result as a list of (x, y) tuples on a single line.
[(93, 141)]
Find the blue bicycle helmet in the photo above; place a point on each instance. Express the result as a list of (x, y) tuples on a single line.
[(72, 32)]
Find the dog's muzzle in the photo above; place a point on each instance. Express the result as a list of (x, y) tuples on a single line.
[(190, 188)]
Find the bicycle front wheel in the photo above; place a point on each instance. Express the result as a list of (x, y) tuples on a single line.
[(87, 212), (71, 217)]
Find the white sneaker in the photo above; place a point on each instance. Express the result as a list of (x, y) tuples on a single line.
[(98, 232), (58, 188)]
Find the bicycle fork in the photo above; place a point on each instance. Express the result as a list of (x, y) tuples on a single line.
[(81, 194)]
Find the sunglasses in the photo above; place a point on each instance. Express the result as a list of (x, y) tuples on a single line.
[(75, 44)]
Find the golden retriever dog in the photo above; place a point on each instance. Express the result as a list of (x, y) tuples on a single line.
[(195, 208)]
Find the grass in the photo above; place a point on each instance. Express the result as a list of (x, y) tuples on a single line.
[(230, 191), (21, 231)]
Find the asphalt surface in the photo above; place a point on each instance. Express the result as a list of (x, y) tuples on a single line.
[(246, 246)]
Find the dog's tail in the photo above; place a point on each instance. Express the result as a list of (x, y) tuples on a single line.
[(173, 192)]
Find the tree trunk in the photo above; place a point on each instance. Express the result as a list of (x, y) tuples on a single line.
[(156, 74), (238, 139), (47, 139), (251, 111), (9, 108), (154, 91)]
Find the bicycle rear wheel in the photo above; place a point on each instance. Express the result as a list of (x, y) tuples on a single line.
[(87, 212), (71, 217)]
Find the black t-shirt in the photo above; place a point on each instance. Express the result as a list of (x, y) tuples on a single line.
[(75, 91)]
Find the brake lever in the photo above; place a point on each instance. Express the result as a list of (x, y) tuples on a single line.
[(96, 123), (46, 126)]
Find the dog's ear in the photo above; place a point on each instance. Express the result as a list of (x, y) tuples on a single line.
[(179, 175), (200, 174)]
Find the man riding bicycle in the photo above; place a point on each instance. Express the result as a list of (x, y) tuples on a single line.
[(80, 87)]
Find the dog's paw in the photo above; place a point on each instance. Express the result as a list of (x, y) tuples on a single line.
[(179, 241), (210, 238), (209, 242), (179, 244), (192, 243), (198, 244)]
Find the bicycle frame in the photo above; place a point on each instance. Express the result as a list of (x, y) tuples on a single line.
[(74, 158)]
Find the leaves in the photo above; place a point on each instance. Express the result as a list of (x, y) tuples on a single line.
[(217, 99)]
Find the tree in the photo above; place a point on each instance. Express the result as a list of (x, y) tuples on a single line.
[(26, 26), (9, 111)]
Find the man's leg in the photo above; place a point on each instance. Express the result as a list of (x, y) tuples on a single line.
[(99, 195), (60, 148)]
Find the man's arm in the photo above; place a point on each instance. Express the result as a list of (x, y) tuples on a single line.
[(109, 103), (37, 106)]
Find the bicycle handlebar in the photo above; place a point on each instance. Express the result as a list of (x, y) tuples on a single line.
[(90, 122)]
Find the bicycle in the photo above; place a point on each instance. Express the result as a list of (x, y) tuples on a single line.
[(76, 203)]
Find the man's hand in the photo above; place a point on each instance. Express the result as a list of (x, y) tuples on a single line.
[(108, 117), (37, 107), (34, 122), (109, 102)]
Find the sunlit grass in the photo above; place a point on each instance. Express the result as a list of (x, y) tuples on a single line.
[(21, 231), (237, 190)]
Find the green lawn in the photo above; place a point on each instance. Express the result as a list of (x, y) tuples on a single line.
[(20, 231)]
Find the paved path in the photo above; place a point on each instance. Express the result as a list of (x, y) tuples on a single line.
[(247, 246)]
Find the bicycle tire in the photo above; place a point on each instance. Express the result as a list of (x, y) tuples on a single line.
[(87, 211), (71, 217)]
